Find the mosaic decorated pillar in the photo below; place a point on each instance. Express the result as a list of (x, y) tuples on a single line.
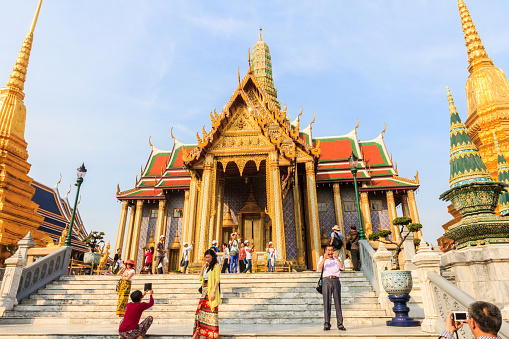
[(129, 237), (298, 221), (121, 225), (412, 205), (278, 230), (391, 206), (337, 207), (313, 229), (185, 217), (366, 213), (190, 212), (203, 218), (212, 206), (160, 227), (219, 210), (136, 230)]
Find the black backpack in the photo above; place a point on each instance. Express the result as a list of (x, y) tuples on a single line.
[(336, 242)]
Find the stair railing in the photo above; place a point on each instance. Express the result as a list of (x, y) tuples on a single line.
[(448, 297), (43, 271), (368, 264)]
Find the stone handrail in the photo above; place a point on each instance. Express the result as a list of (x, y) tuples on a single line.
[(449, 297), (43, 271), (367, 254), (2, 272)]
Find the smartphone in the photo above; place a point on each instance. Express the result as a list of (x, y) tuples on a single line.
[(148, 287), (459, 316)]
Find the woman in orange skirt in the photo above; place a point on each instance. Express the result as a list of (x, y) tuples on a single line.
[(206, 323)]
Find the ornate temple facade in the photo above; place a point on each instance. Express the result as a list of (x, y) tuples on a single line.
[(487, 122), (263, 175)]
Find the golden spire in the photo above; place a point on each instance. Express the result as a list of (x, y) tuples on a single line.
[(18, 75), (475, 48), (260, 36)]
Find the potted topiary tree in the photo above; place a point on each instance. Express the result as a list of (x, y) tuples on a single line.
[(398, 283), (93, 240)]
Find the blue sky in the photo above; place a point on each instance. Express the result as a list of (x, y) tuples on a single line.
[(106, 75)]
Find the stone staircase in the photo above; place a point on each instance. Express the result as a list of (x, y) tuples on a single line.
[(278, 298)]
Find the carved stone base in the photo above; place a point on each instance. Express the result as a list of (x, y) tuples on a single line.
[(401, 310), (483, 273)]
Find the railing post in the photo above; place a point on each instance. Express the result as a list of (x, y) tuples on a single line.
[(427, 261), (14, 269), (382, 258), (408, 249)]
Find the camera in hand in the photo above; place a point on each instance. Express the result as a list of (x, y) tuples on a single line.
[(148, 287), (459, 316)]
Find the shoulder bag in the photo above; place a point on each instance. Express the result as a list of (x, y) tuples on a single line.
[(320, 283), (349, 243)]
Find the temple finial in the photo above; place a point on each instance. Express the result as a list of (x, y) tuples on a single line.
[(475, 48), (452, 107), (260, 36), (18, 75), (36, 16)]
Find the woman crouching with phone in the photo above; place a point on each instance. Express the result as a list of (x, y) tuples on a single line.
[(206, 324)]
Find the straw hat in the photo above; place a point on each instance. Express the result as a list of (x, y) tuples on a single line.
[(130, 262), (336, 228)]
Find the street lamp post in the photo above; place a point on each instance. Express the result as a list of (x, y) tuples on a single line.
[(353, 160), (81, 174)]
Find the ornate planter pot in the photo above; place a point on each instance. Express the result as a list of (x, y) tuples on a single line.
[(92, 258), (397, 282)]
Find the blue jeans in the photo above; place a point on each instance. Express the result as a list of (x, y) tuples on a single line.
[(249, 266), (234, 262), (272, 265)]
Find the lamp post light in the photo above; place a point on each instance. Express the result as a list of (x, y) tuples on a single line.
[(353, 160), (81, 174)]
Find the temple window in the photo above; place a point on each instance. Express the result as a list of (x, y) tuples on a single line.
[(376, 205), (322, 207), (178, 213), (153, 213), (350, 206)]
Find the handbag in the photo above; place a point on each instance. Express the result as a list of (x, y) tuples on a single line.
[(182, 263), (320, 283)]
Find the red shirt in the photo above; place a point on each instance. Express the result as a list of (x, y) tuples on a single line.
[(132, 315), (149, 256), (242, 253)]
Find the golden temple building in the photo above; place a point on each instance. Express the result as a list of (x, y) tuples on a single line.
[(258, 173), (487, 91)]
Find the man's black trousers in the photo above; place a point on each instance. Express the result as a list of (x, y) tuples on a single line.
[(332, 288)]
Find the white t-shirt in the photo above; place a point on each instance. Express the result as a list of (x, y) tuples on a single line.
[(249, 255), (126, 273), (226, 253), (185, 252)]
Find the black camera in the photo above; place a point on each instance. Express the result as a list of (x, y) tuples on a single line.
[(148, 287), (459, 316)]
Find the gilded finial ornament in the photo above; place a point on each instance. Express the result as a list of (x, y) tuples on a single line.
[(171, 133), (60, 180), (358, 122), (238, 74), (475, 48), (79, 200), (150, 143), (416, 178), (260, 36), (70, 187), (118, 188), (385, 128), (249, 60)]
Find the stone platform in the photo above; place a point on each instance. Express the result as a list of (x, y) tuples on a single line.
[(158, 331)]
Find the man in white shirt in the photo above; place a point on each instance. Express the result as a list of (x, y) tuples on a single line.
[(185, 255), (331, 266), (249, 257), (226, 259)]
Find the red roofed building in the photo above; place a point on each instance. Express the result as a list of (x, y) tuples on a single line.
[(272, 180)]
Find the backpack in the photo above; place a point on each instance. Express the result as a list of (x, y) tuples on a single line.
[(336, 242)]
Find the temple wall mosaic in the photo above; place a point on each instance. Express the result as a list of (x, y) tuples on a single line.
[(146, 226), (325, 194), (379, 218), (349, 217), (174, 225), (289, 220)]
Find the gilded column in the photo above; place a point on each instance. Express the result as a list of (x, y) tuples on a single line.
[(366, 214), (185, 219), (391, 206), (129, 237), (278, 230), (203, 221), (212, 206), (337, 207), (136, 230), (313, 221), (412, 205), (191, 211), (121, 226), (219, 210)]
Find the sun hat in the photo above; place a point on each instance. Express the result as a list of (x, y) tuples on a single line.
[(246, 242), (270, 243), (130, 262), (336, 228)]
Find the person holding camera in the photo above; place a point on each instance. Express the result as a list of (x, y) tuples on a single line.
[(331, 266), (129, 327), (483, 318), (206, 324)]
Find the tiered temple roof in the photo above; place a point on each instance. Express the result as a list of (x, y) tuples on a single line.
[(57, 213)]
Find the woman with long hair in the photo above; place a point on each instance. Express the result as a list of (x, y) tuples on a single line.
[(124, 289), (206, 324)]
